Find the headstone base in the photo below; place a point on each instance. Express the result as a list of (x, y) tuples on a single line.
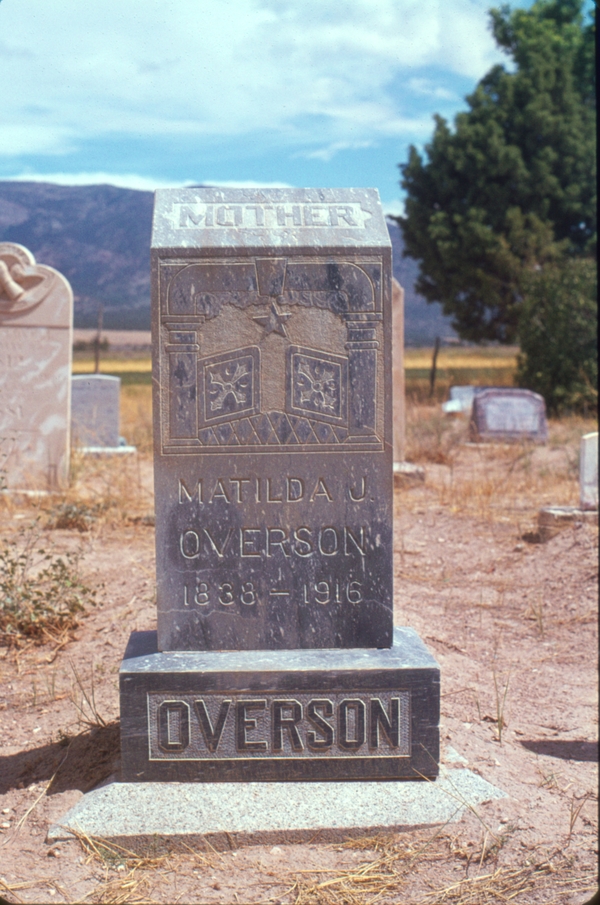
[(406, 473), (106, 450), (158, 817), (553, 519), (289, 715)]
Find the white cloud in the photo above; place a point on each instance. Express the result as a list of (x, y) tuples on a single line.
[(245, 184), (428, 88), (328, 153), (310, 72)]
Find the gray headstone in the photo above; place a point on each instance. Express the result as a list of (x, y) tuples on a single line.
[(273, 419), (588, 471), (500, 414), (95, 410), (36, 330), (275, 656)]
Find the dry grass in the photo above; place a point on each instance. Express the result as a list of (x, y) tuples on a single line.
[(137, 875), (397, 872), (109, 365), (523, 479), (457, 366), (463, 357), (136, 416), (107, 488), (432, 436)]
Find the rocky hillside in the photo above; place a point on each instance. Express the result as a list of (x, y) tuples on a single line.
[(99, 237)]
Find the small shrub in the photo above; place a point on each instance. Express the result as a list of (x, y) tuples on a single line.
[(75, 516), (432, 436), (40, 592)]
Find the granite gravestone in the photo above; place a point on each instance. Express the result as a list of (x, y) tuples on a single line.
[(273, 421), (275, 656), (588, 471), (500, 414), (36, 328), (95, 410)]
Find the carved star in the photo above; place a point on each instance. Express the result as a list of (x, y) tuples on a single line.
[(274, 321)]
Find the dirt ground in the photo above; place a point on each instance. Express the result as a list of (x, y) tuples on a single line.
[(513, 624)]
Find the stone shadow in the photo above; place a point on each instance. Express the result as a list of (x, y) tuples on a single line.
[(564, 749), (80, 762)]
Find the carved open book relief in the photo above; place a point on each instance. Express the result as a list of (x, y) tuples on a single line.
[(300, 369)]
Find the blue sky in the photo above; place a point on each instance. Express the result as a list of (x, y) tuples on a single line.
[(239, 92)]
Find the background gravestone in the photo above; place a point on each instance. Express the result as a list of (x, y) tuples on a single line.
[(588, 471), (398, 371), (95, 410), (460, 401), (36, 329), (499, 414), (275, 656)]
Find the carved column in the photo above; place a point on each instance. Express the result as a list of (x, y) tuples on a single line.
[(182, 349), (362, 374)]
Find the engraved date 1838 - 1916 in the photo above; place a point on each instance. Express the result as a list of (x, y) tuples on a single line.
[(237, 591)]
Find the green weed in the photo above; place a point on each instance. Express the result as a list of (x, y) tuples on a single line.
[(40, 592)]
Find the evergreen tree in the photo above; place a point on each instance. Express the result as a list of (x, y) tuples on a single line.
[(512, 188), (558, 335)]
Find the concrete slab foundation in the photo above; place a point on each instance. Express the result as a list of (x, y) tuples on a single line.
[(163, 815)]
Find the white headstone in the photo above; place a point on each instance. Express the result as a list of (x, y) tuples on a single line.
[(588, 471), (95, 410), (36, 333), (461, 400)]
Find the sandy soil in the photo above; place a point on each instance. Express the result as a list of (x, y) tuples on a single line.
[(512, 624)]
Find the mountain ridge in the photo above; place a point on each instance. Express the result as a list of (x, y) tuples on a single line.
[(99, 237)]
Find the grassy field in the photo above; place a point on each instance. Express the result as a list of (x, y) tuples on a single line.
[(480, 366), (455, 366), (131, 370)]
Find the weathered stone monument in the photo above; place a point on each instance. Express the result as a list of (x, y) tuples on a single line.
[(276, 656), (95, 410), (504, 414), (36, 328)]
